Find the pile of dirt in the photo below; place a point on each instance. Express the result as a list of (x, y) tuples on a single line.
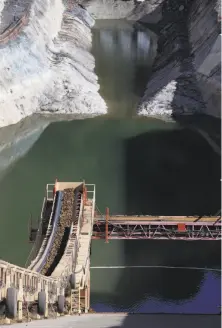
[(65, 221)]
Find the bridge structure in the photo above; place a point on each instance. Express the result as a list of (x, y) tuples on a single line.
[(56, 278), (156, 227)]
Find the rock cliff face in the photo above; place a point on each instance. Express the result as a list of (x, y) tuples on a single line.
[(49, 67), (110, 9), (186, 73)]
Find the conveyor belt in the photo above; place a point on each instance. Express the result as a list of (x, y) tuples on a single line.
[(37, 261), (60, 233), (43, 260)]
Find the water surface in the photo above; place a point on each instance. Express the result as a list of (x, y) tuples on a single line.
[(124, 56), (142, 166), (177, 276)]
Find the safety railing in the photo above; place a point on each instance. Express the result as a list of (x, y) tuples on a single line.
[(45, 240), (91, 192), (91, 195), (76, 246), (50, 191), (86, 266), (40, 264), (35, 248), (31, 282)]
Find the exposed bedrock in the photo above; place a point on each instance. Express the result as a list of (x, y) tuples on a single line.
[(49, 67), (186, 72)]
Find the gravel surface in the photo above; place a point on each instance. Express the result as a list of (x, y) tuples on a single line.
[(65, 221)]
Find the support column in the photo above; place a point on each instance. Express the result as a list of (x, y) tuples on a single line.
[(36, 295), (88, 292), (47, 300), (71, 302), (57, 295), (86, 299), (3, 289), (20, 299), (79, 301), (7, 285), (8, 279), (107, 224)]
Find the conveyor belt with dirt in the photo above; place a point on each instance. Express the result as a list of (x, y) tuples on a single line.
[(62, 220)]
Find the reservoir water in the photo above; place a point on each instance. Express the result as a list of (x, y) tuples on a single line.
[(124, 56), (139, 165)]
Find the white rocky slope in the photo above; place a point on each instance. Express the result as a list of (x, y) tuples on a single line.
[(49, 67)]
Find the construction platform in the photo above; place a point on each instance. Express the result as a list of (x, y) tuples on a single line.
[(56, 278)]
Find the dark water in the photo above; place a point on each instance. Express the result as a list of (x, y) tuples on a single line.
[(156, 288), (124, 57), (143, 166), (131, 176)]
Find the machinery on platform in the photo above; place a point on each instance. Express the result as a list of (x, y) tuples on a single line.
[(56, 279)]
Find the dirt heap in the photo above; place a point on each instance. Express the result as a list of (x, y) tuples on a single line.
[(65, 221)]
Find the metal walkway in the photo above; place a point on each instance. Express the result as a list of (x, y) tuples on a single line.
[(156, 227), (63, 255), (56, 280)]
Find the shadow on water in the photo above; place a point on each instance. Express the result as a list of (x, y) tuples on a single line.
[(126, 159), (90, 149), (173, 172), (156, 288)]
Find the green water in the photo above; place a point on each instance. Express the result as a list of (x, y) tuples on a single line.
[(71, 151), (124, 56), (140, 165)]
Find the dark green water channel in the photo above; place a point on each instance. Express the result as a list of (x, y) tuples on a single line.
[(143, 166)]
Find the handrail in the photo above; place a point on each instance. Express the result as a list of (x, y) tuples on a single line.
[(38, 235), (76, 245), (10, 266), (49, 191), (46, 239), (54, 229), (84, 267), (30, 281)]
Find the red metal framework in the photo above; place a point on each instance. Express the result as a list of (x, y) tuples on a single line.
[(146, 227), (157, 230)]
